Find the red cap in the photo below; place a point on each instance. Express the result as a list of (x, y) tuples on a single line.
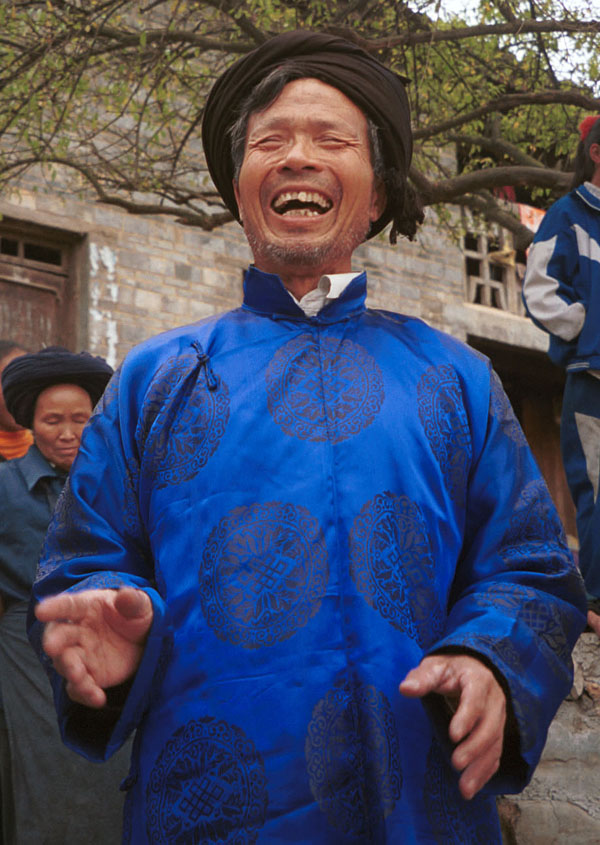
[(586, 124)]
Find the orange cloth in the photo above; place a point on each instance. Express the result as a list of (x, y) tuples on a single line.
[(14, 444)]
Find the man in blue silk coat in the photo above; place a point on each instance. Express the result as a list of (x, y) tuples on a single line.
[(279, 514)]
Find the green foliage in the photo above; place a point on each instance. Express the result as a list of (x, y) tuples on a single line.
[(112, 91)]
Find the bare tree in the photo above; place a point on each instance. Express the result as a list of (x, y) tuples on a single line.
[(107, 95)]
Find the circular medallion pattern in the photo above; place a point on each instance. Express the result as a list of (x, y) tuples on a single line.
[(392, 566), (263, 574), (181, 421), (325, 388), (353, 759), (207, 785), (444, 420)]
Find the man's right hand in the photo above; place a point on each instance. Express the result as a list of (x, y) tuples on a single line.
[(95, 638)]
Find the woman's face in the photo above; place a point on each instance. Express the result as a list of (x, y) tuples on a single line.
[(61, 412)]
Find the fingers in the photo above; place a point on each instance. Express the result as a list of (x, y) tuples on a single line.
[(80, 685), (477, 727), (427, 677), (479, 723), (481, 766), (58, 607), (89, 695), (74, 606), (95, 638), (59, 636), (62, 643), (482, 705)]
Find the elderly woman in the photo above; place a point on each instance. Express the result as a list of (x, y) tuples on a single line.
[(49, 794)]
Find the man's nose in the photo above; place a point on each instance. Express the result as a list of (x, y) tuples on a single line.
[(300, 155)]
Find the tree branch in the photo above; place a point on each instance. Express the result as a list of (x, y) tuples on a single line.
[(498, 146), (519, 27), (507, 102), (494, 177)]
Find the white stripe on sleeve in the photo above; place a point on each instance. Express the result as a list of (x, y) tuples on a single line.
[(540, 290)]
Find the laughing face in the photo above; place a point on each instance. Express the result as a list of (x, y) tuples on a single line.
[(306, 190)]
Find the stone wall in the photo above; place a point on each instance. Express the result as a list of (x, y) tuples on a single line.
[(561, 805)]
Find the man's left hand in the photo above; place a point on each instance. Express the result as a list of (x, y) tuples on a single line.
[(477, 726)]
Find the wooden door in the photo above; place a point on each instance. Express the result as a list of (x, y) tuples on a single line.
[(38, 291)]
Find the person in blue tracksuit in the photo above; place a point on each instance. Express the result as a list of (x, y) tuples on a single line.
[(305, 552), (561, 290)]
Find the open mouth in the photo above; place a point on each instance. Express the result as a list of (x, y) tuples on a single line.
[(301, 204)]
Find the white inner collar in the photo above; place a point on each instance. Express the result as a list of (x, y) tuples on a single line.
[(329, 287), (593, 189)]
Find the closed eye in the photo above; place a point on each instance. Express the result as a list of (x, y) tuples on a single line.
[(267, 143), (332, 140)]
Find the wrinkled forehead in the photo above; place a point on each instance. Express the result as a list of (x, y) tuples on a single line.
[(308, 101)]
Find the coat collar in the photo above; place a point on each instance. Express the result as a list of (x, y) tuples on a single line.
[(588, 197), (264, 293), (34, 466)]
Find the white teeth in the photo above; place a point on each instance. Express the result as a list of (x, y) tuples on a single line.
[(303, 196), (301, 212)]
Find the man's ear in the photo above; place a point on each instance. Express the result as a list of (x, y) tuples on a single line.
[(595, 154), (378, 200)]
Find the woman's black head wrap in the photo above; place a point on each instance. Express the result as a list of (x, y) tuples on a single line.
[(378, 92), (28, 375)]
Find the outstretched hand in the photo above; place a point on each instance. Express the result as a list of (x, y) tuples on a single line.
[(477, 726), (95, 638)]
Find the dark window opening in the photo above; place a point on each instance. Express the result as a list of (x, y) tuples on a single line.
[(496, 272), (473, 267), (8, 246), (39, 252)]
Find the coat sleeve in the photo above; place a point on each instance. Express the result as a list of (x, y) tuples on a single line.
[(97, 540), (552, 264), (517, 601)]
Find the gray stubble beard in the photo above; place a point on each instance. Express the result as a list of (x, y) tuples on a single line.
[(306, 254)]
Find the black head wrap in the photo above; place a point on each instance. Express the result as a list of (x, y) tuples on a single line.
[(28, 375), (378, 92)]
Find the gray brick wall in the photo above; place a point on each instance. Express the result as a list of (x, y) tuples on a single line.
[(145, 275)]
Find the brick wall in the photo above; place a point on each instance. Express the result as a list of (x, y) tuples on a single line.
[(144, 275)]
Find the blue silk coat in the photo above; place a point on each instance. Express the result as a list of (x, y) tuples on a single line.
[(312, 504)]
